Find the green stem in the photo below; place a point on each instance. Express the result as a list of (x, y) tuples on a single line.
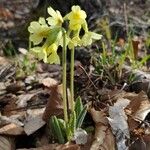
[(72, 80), (64, 64), (29, 44)]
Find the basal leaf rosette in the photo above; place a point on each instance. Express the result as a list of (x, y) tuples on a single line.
[(38, 31)]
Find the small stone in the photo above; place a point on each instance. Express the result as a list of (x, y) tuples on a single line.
[(80, 136)]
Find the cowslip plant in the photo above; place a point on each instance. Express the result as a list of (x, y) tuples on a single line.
[(49, 34)]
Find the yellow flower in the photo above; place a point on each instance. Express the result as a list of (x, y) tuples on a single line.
[(55, 19), (40, 53), (53, 57), (89, 37), (75, 41), (47, 53), (38, 30), (76, 18)]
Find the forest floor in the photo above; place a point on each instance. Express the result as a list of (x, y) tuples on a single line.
[(112, 77)]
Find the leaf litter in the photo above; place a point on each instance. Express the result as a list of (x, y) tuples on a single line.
[(123, 116), (116, 114)]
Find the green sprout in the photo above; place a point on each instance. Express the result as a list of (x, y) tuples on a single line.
[(49, 34)]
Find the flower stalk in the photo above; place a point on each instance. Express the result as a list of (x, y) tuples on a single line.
[(64, 64), (72, 79)]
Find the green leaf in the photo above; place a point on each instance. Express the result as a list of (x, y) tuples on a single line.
[(57, 129), (81, 117), (78, 106), (72, 122), (68, 132), (71, 126), (62, 125)]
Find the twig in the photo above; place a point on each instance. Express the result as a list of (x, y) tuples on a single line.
[(126, 17), (88, 76)]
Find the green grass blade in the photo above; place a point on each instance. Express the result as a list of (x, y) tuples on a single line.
[(62, 125), (57, 130), (81, 117), (78, 106)]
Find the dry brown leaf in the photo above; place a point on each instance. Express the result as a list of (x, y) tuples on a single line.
[(138, 108), (103, 139), (49, 82), (135, 43), (11, 105), (5, 14), (68, 146), (56, 147), (7, 143), (4, 61), (2, 86), (34, 121), (11, 129), (54, 105), (15, 87), (23, 99)]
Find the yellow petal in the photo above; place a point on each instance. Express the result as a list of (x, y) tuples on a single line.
[(96, 36), (54, 59), (76, 26), (52, 52), (52, 12), (40, 53), (35, 39), (52, 48), (34, 26), (75, 8), (89, 37), (42, 21), (51, 21)]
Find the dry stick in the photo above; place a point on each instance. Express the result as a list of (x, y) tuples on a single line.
[(125, 17), (134, 24)]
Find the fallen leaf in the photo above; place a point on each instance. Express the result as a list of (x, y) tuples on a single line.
[(4, 61), (11, 129), (103, 138), (139, 108), (49, 82), (23, 99), (67, 146), (54, 105), (5, 14), (118, 122), (12, 119), (7, 143), (34, 121)]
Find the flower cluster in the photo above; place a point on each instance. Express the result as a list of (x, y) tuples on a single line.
[(48, 33)]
